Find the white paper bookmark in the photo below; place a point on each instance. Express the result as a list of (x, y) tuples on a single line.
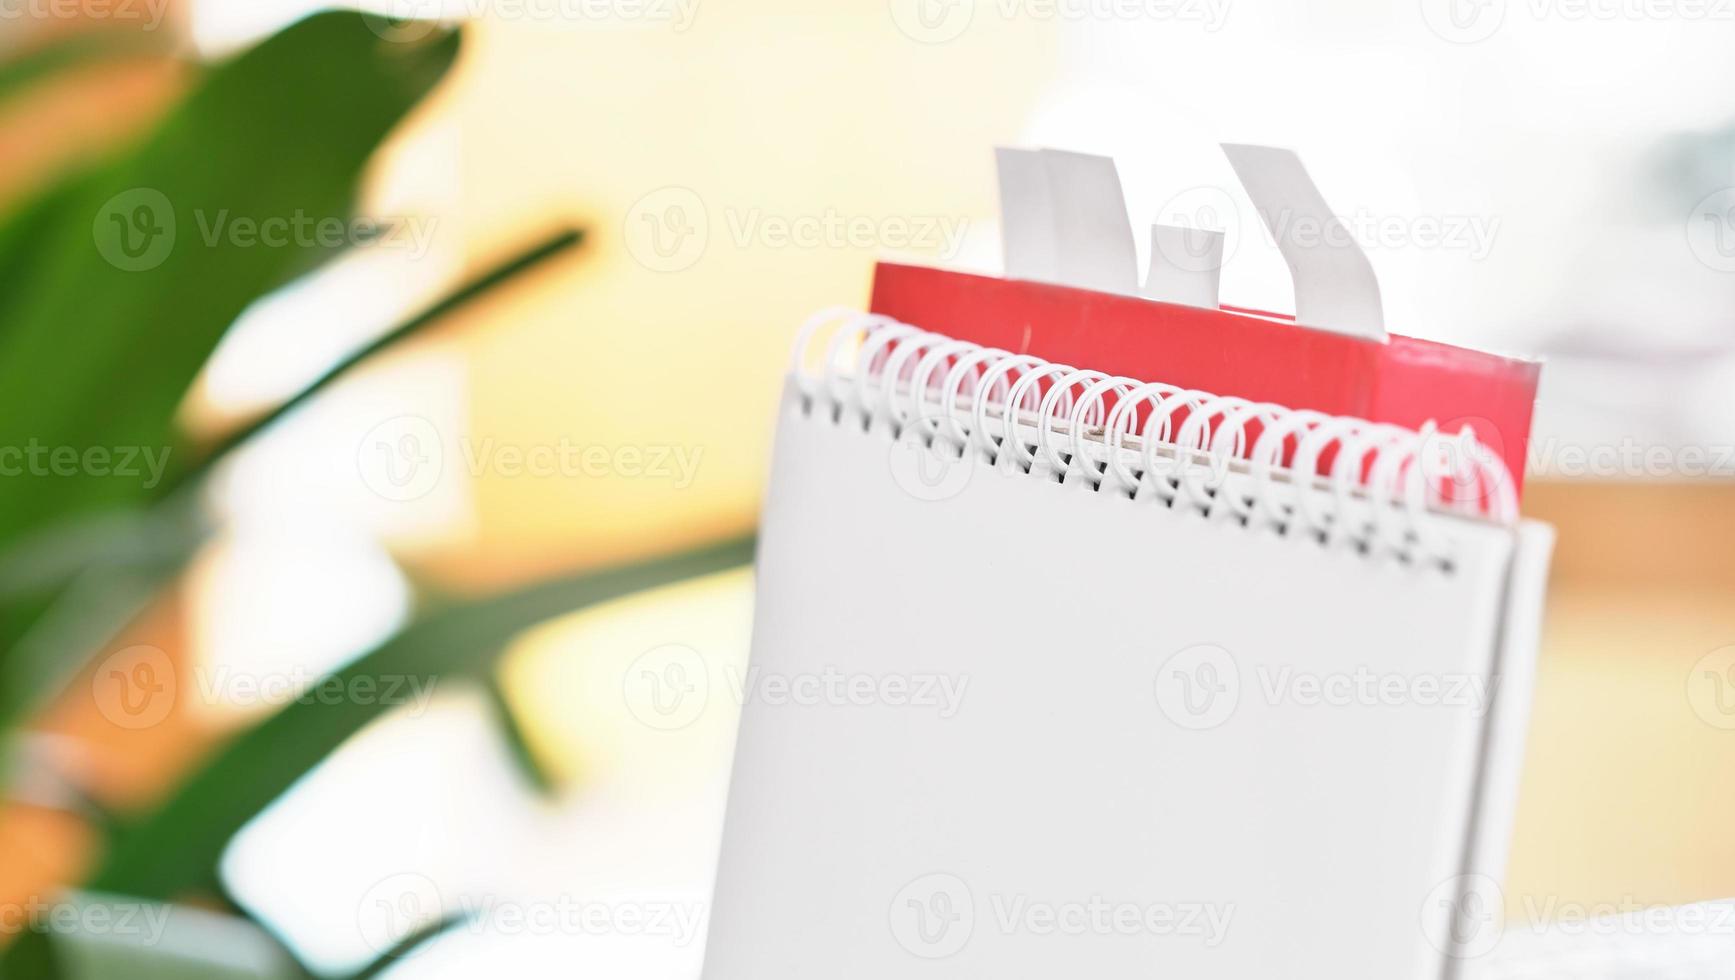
[(1093, 236), (1335, 288), (1186, 266), (1064, 220), (1026, 215)]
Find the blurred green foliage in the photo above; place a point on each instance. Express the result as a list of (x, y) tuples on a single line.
[(112, 301)]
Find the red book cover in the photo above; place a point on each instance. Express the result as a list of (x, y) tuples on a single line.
[(1402, 380)]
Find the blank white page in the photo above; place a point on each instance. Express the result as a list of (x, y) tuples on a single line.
[(1001, 726)]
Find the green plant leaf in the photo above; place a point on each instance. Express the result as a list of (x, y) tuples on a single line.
[(49, 579), (93, 356), (66, 594), (30, 957), (177, 847), (517, 742), (414, 941), (118, 315), (22, 258)]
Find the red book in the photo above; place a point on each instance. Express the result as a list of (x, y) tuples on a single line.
[(1402, 381)]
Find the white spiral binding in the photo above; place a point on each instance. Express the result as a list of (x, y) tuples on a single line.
[(1380, 481)]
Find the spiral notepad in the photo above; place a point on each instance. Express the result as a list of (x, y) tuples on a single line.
[(1107, 677)]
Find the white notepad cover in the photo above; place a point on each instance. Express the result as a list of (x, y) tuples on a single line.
[(1004, 726)]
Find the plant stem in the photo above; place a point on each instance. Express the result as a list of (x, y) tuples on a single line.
[(511, 268)]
